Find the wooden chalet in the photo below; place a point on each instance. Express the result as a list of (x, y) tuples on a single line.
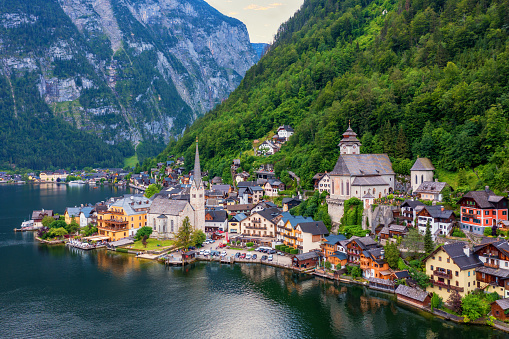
[(413, 296), (494, 275)]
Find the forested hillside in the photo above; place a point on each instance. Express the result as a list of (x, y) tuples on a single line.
[(415, 77)]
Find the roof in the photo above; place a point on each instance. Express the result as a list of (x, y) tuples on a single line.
[(239, 207), (313, 227), (501, 245), (87, 211), (500, 272), (402, 274), (306, 256), (365, 242), (73, 211), (339, 255), (422, 164), (349, 136), (485, 199), (318, 176), (334, 239), (163, 205), (363, 164), (412, 293), (217, 215), (412, 203), (398, 228), (285, 127), (238, 217), (294, 219), (288, 200), (269, 213), (503, 303), (437, 212), (41, 213), (381, 281), (434, 187), (369, 181), (132, 204), (464, 262)]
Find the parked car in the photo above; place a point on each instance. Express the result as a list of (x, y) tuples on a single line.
[(280, 253), (258, 249), (272, 252), (243, 256), (223, 254), (191, 248), (206, 252), (237, 255), (214, 253), (202, 252), (254, 257), (222, 245), (264, 257), (248, 256), (270, 257)]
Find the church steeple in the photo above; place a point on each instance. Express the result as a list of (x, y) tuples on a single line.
[(197, 168), (349, 144)]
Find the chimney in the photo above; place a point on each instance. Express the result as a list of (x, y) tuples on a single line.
[(486, 188), (466, 250), (442, 208)]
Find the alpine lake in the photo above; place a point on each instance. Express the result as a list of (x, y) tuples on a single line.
[(60, 292)]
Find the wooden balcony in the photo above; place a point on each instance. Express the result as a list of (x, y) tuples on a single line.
[(442, 274), (256, 227), (496, 266), (447, 286)]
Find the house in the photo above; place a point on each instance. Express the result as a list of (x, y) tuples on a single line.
[(243, 176), (324, 185), (392, 231), (56, 176), (316, 179), (333, 253), (421, 172), (263, 205), (481, 209), (268, 148), (381, 284), (409, 210), (306, 260), (260, 224), (216, 181), (224, 189), (286, 225), (72, 213), (494, 275), (431, 190), (358, 175), (234, 223), (216, 220), (235, 164), (239, 208), (285, 132), (289, 203), (356, 246), (250, 194), (500, 309), (374, 265), (264, 173), (452, 267), (441, 220), (166, 216), (124, 217), (38, 215), (273, 187), (85, 216), (308, 236), (412, 296)]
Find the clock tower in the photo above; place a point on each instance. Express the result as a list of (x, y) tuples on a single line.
[(350, 144)]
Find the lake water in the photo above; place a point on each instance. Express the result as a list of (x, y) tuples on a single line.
[(57, 292)]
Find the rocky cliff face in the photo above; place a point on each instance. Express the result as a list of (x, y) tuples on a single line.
[(125, 70)]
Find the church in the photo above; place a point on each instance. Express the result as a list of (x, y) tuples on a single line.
[(166, 215), (364, 176)]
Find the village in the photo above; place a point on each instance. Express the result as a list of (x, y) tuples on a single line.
[(393, 236)]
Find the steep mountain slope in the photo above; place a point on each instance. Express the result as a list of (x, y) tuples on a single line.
[(122, 70), (416, 78)]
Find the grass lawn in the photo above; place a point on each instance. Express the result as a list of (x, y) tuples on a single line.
[(452, 177), (132, 161), (152, 244)]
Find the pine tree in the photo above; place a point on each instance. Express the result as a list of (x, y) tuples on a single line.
[(401, 145), (184, 234), (428, 241)]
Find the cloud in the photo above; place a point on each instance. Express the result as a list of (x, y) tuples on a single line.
[(232, 13), (254, 7)]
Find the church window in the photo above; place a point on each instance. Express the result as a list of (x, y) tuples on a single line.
[(422, 178), (342, 188), (172, 226), (416, 179), (374, 190), (347, 188), (332, 186)]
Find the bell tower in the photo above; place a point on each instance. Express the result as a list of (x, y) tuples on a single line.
[(350, 144), (197, 194)]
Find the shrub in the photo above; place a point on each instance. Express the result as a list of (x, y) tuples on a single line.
[(436, 301), (278, 247), (458, 233), (249, 244), (327, 265), (288, 250), (294, 251)]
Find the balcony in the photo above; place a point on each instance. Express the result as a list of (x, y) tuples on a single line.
[(442, 274), (496, 266), (256, 221), (256, 227), (291, 237), (444, 285)]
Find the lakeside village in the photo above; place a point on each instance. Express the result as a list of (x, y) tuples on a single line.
[(437, 250)]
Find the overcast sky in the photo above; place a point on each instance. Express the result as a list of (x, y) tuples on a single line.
[(262, 17)]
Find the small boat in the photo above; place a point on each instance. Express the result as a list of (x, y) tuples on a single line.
[(77, 182)]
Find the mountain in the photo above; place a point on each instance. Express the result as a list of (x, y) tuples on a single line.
[(137, 71), (415, 78), (259, 48)]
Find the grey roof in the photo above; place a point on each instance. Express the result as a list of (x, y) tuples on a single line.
[(385, 230), (239, 207), (422, 164), (339, 255), (365, 242), (73, 211), (412, 203), (402, 274), (437, 212), (313, 227), (306, 256), (87, 211), (238, 217), (132, 204), (286, 127), (369, 181), (269, 213), (334, 239), (368, 195), (246, 184), (412, 293), (163, 205), (217, 216), (287, 200), (501, 245), (197, 169), (482, 198), (464, 262), (398, 228), (381, 281), (500, 272), (349, 136), (503, 303), (363, 164), (433, 187), (222, 188)]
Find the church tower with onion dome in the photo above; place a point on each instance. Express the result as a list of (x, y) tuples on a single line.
[(350, 144)]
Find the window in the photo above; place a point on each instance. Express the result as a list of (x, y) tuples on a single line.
[(194, 195), (431, 267), (494, 213), (469, 276), (457, 284), (422, 178), (456, 273), (439, 258), (448, 260), (469, 282), (504, 212)]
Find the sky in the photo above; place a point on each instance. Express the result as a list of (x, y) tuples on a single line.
[(262, 17)]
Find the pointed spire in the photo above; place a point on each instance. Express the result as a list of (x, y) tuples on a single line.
[(197, 168)]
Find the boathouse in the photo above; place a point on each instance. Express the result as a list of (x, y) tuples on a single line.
[(413, 296)]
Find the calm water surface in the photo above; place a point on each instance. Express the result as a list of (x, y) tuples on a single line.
[(56, 292)]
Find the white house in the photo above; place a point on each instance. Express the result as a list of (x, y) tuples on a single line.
[(311, 233), (441, 220), (285, 132), (324, 184), (268, 147), (272, 187), (85, 216)]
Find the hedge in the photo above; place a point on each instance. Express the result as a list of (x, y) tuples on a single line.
[(123, 250), (278, 247), (294, 251), (249, 244), (288, 249)]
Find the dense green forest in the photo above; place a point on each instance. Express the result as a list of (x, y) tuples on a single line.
[(415, 77)]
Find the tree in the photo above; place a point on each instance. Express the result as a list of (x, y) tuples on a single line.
[(338, 266), (58, 224), (392, 255), (414, 241), (73, 227), (419, 277), (198, 237), (152, 189), (57, 232), (144, 231), (428, 241), (356, 272), (454, 302), (327, 265), (473, 306), (144, 240), (488, 231), (184, 234), (47, 220), (436, 301), (88, 230)]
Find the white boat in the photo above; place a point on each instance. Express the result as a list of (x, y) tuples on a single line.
[(77, 182)]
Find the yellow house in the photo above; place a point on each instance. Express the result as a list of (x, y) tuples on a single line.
[(451, 268), (72, 213), (124, 217), (234, 223)]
